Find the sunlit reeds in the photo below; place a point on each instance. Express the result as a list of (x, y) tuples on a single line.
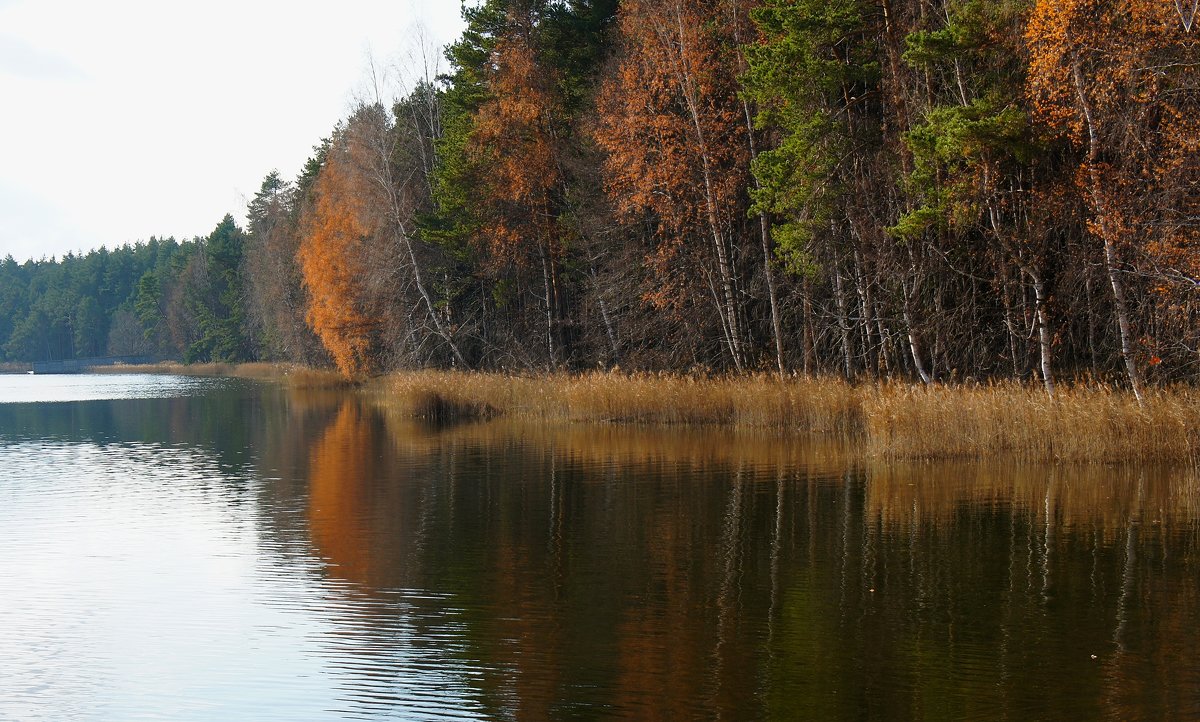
[(1085, 423), (1094, 423), (820, 406)]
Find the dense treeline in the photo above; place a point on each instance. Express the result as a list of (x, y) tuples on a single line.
[(933, 189), (162, 298)]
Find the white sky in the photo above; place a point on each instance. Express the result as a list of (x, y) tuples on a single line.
[(124, 119)]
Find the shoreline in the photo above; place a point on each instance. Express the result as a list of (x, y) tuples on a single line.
[(1085, 423)]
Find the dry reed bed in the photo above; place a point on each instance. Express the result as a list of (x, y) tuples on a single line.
[(825, 406), (1085, 423), (1092, 423)]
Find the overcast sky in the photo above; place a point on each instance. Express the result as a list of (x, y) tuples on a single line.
[(125, 119)]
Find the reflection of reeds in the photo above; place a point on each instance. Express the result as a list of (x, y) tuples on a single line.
[(630, 444), (759, 401), (1107, 498)]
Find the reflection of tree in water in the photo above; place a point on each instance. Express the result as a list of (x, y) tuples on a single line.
[(1053, 564), (364, 502), (661, 574), (338, 500)]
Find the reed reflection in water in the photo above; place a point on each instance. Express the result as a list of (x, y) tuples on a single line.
[(253, 552), (673, 573)]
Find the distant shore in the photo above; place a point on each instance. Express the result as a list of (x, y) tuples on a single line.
[(1088, 423)]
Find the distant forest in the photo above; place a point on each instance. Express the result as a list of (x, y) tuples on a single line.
[(927, 189)]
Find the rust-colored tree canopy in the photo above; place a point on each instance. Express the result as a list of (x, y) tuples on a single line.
[(513, 140), (670, 108), (1118, 78), (338, 227)]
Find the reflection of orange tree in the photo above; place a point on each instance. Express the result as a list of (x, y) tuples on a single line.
[(338, 497), (662, 655), (361, 508)]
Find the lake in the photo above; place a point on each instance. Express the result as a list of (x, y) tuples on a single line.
[(192, 549)]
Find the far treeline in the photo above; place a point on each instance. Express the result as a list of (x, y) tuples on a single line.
[(928, 189)]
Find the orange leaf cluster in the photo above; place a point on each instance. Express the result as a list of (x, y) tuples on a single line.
[(513, 139), (336, 231), (671, 108)]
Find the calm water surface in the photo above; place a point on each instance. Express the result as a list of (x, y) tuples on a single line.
[(183, 549)]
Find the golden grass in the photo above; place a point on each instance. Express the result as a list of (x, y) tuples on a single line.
[(10, 367), (761, 401), (1085, 423), (1093, 423)]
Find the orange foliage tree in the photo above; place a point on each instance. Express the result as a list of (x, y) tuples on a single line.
[(669, 117), (1107, 74), (337, 229)]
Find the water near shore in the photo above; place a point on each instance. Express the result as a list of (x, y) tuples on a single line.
[(177, 548)]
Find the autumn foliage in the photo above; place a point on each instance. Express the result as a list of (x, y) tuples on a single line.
[(338, 228), (673, 131), (513, 140), (1116, 77)]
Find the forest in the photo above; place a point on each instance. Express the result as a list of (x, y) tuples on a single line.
[(929, 190)]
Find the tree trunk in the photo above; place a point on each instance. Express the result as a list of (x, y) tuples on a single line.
[(843, 322), (1111, 261), (384, 176), (809, 343), (868, 331), (914, 342), (1044, 340), (608, 327), (549, 307), (763, 221), (686, 86), (1013, 336)]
